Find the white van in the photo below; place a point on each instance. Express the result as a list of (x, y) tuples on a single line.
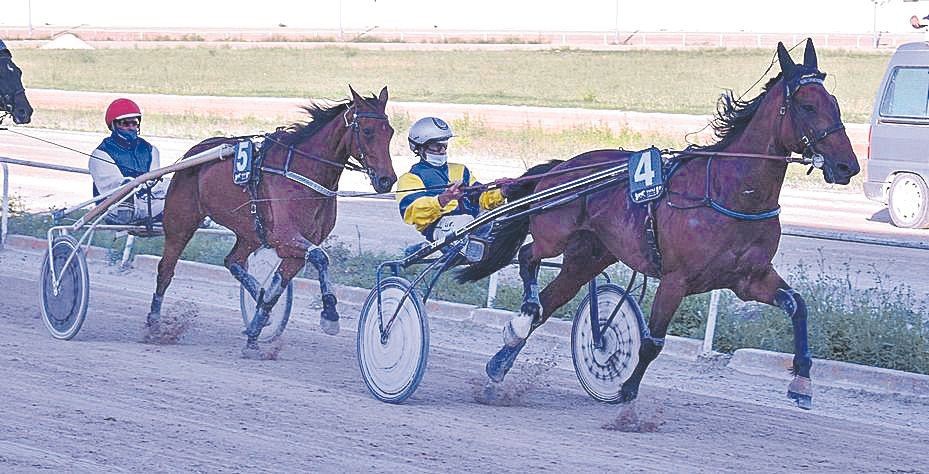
[(898, 142)]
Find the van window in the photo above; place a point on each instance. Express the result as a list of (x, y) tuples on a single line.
[(907, 93)]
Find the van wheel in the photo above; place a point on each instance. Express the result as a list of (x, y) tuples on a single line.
[(908, 202)]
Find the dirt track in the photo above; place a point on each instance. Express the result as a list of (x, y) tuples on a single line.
[(105, 401)]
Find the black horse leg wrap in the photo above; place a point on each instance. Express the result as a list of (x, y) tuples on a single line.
[(247, 281), (789, 300), (317, 257), (794, 305), (274, 291)]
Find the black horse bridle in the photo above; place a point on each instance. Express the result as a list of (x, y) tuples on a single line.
[(7, 95), (809, 136), (359, 143), (362, 164)]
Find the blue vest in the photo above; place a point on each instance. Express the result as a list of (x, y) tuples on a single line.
[(438, 176), (132, 158)]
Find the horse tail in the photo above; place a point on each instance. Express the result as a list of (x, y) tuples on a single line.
[(508, 236)]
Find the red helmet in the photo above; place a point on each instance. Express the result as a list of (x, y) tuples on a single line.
[(120, 109)]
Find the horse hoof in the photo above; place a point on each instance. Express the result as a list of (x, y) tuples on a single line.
[(502, 361), (494, 372), (628, 395), (803, 401), (328, 326), (152, 332), (801, 391), (252, 351), (490, 392)]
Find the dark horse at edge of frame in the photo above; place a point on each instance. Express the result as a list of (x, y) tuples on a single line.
[(13, 99), (290, 217), (701, 248)]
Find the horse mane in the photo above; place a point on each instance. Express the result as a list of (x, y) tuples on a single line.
[(321, 113), (732, 116)]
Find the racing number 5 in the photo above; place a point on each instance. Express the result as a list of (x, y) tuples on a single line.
[(241, 158)]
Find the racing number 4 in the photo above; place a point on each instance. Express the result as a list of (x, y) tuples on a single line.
[(643, 171)]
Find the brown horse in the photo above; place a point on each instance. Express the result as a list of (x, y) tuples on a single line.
[(13, 99), (291, 209), (716, 224)]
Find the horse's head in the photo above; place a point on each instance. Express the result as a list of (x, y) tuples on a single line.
[(366, 120), (12, 95), (812, 123)]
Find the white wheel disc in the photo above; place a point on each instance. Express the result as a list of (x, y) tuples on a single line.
[(393, 366), (602, 370), (64, 310)]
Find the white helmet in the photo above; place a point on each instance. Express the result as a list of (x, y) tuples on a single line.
[(427, 130)]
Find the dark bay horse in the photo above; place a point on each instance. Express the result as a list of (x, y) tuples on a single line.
[(292, 209), (13, 99), (716, 224)]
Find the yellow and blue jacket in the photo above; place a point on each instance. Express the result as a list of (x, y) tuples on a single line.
[(421, 208)]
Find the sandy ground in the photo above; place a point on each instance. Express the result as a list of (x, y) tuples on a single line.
[(106, 402)]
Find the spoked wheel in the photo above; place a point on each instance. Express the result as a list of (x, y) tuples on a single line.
[(603, 369), (262, 264), (64, 310), (393, 364)]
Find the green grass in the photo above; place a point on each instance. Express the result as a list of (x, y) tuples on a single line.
[(650, 81)]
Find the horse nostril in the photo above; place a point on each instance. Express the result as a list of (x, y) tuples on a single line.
[(384, 183)]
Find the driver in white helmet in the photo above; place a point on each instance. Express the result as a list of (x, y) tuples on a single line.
[(438, 210)]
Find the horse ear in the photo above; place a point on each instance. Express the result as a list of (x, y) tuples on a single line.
[(809, 55), (356, 99), (382, 97), (787, 64)]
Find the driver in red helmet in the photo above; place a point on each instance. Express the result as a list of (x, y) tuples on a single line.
[(123, 156)]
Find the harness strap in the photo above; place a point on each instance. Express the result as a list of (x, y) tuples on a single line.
[(297, 177), (651, 236), (300, 179), (252, 187)]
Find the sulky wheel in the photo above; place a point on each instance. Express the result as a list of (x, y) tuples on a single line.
[(262, 264), (603, 369), (393, 364), (64, 307)]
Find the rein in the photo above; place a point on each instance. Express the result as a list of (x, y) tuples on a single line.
[(523, 179)]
